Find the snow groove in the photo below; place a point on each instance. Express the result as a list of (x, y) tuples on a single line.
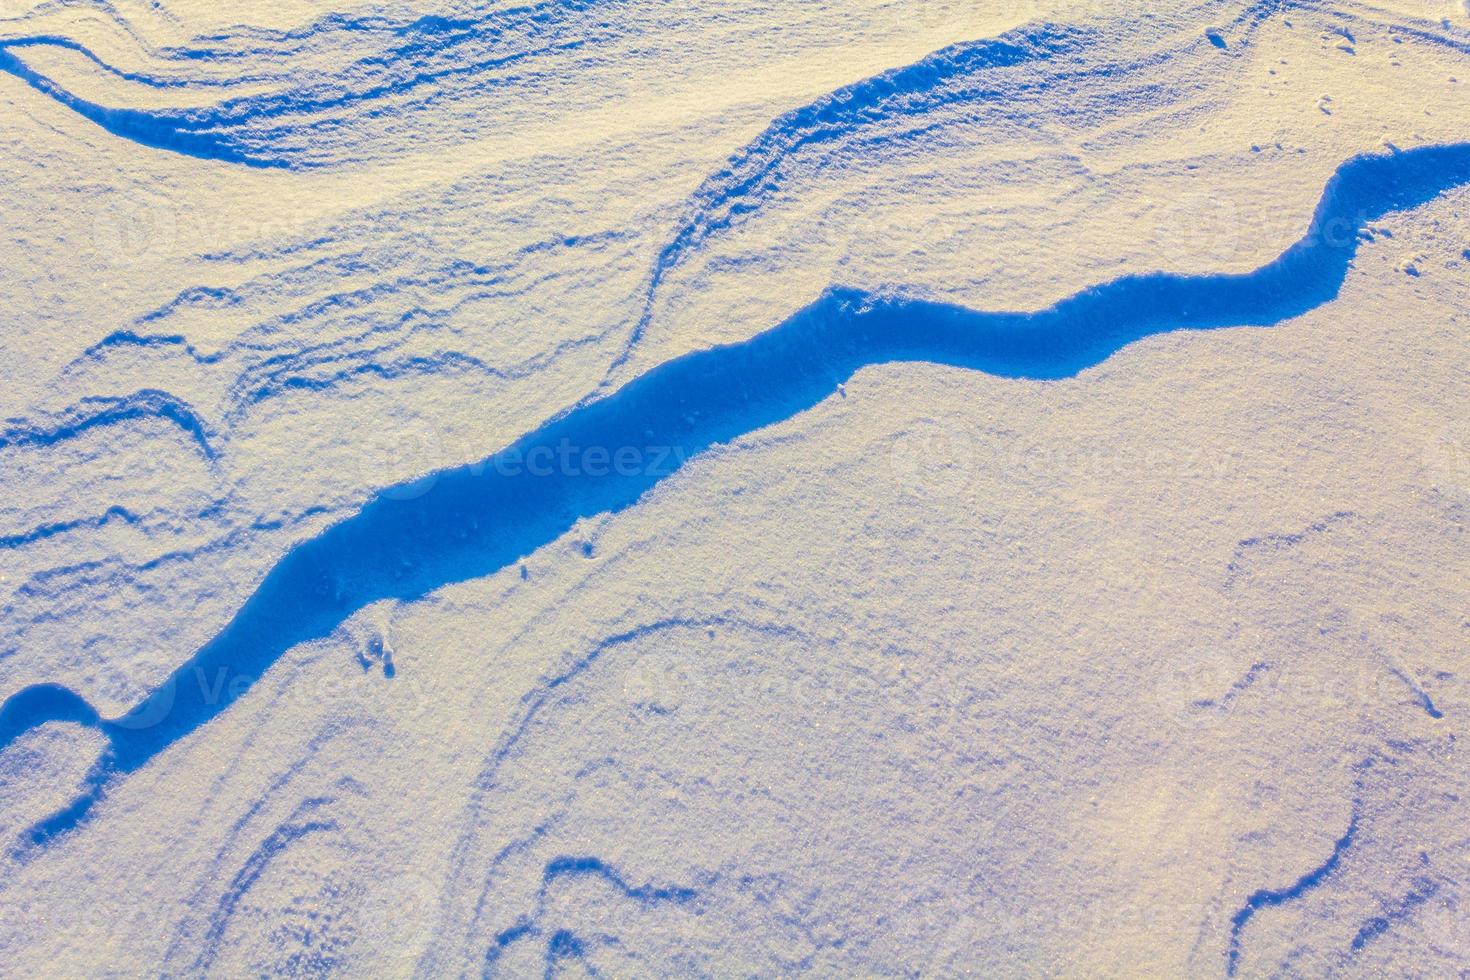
[(11, 542), (1270, 897), (1424, 889), (329, 75), (96, 411), (303, 822), (1280, 542), (564, 943), (472, 521), (956, 83)]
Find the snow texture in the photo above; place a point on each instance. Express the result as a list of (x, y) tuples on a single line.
[(634, 488)]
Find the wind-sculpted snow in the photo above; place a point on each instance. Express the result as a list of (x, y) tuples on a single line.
[(383, 67), (1267, 898), (1010, 79), (562, 943), (603, 455), (648, 488), (97, 411), (13, 541), (305, 339)]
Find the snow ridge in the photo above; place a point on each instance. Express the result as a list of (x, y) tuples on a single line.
[(325, 77), (96, 411)]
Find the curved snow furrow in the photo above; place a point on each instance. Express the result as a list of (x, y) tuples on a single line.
[(187, 944), (1404, 909), (141, 127), (99, 411), (297, 281), (461, 280), (1269, 544), (536, 701), (302, 822), (132, 339), (307, 121), (347, 335), (439, 365), (345, 361), (349, 360), (562, 942), (602, 456), (427, 30), (342, 361), (750, 175), (54, 701), (125, 571), (149, 80), (443, 280), (1269, 897), (1439, 34), (79, 588), (194, 297), (11, 542), (953, 86), (306, 280), (63, 25)]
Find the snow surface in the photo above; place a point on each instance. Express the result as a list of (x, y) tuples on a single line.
[(640, 488)]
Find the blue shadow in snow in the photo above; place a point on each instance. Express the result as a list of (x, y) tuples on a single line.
[(1270, 897), (472, 521), (416, 60), (156, 130)]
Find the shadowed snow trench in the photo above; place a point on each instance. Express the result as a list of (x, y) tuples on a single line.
[(603, 454), (425, 59)]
